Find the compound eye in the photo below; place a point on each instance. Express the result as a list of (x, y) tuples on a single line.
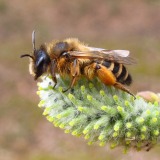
[(39, 61), (42, 57)]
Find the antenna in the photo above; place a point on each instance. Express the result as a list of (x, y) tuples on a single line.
[(33, 40), (34, 48)]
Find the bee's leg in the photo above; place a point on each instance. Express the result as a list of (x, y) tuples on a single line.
[(107, 77), (122, 87), (74, 73), (55, 81), (71, 85), (52, 70)]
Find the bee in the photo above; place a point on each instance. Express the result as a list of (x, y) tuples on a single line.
[(75, 59)]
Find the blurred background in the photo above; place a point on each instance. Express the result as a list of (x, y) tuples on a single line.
[(24, 132)]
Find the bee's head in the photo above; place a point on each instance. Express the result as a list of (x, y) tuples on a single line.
[(40, 60)]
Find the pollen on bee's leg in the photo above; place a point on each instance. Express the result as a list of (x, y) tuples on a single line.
[(105, 75)]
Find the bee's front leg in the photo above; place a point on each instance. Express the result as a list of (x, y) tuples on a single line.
[(74, 73), (52, 70)]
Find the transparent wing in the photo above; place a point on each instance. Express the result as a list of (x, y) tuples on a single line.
[(122, 53), (120, 56)]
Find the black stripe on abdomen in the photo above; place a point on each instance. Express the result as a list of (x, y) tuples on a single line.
[(119, 71), (124, 77), (116, 68), (128, 80)]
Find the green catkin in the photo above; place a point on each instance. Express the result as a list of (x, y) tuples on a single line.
[(100, 114)]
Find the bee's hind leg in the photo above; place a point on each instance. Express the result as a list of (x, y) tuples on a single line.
[(74, 73), (120, 86)]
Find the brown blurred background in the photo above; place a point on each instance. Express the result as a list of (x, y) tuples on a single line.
[(112, 24)]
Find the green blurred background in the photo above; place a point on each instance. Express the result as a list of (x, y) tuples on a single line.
[(112, 24)]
